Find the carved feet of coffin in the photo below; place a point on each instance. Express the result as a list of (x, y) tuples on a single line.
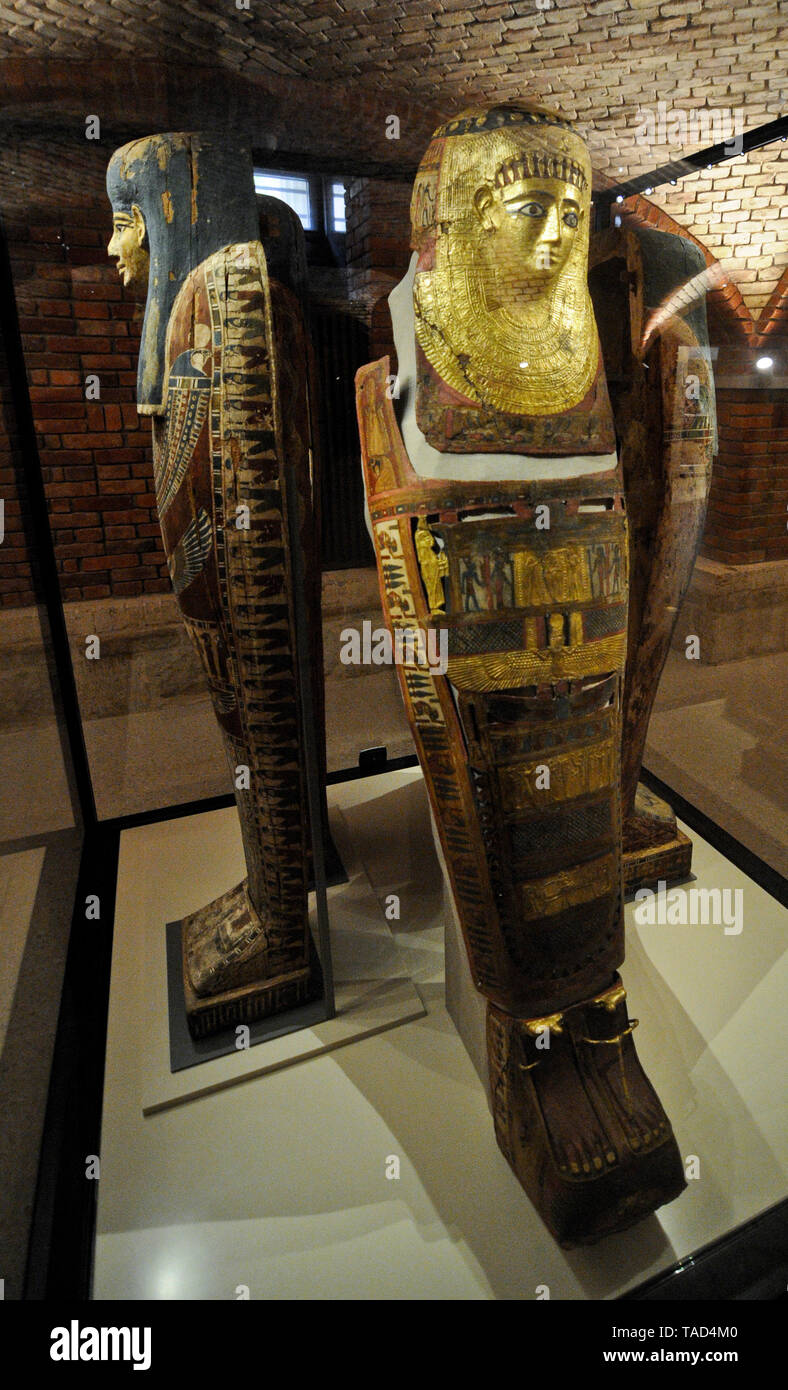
[(236, 969), (653, 846), (578, 1121)]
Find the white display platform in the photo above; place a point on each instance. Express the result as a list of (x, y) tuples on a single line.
[(280, 1187), (365, 1003), (363, 1007)]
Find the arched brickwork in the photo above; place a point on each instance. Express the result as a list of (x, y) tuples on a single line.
[(748, 503), (773, 322), (725, 304)]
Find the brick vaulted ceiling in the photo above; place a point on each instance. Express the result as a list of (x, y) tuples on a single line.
[(645, 80), (600, 62)]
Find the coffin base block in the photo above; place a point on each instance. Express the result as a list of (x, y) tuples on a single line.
[(249, 1002), (654, 848)]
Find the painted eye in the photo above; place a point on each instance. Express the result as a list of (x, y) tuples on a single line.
[(532, 210), (571, 219)]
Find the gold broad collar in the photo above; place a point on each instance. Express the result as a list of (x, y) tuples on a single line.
[(539, 368)]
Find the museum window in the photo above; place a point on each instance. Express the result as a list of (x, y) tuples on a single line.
[(336, 206), (319, 203), (293, 189)]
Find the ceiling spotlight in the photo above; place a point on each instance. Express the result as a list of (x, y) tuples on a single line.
[(620, 198), (621, 171), (616, 221), (648, 190), (673, 183), (765, 364)]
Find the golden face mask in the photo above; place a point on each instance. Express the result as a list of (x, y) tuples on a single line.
[(500, 216)]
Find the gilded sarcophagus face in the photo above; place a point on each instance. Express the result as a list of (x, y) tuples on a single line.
[(507, 342)]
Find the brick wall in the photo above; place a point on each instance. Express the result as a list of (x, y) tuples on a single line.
[(378, 224), (773, 318), (337, 122), (16, 578), (77, 322), (748, 506), (378, 250), (599, 62), (739, 211)]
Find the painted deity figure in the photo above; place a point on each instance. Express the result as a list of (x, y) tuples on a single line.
[(504, 451), (433, 565), (222, 374)]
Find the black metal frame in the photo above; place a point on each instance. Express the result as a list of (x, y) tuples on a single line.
[(750, 1262)]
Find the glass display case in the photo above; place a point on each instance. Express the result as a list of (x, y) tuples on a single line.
[(351, 1153)]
